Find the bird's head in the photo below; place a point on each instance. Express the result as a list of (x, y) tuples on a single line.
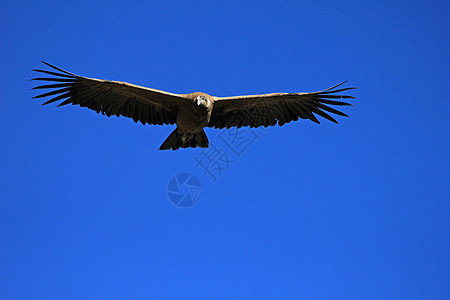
[(203, 101)]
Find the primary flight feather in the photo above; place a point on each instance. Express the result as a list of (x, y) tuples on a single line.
[(190, 112)]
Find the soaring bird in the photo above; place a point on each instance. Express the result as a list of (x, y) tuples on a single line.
[(190, 112)]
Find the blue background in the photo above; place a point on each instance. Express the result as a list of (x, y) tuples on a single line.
[(358, 210)]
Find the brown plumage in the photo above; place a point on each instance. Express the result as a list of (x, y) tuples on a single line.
[(191, 112)]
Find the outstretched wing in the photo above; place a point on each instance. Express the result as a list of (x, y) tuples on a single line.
[(111, 97), (270, 109)]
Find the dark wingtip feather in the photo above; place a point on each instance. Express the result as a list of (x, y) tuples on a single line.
[(56, 68), (58, 91), (325, 115), (331, 110), (339, 84), (54, 73), (333, 102), (63, 96), (313, 118), (336, 91), (343, 114), (52, 86), (71, 79)]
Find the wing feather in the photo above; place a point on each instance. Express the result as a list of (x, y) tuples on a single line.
[(270, 109), (141, 104), (63, 96)]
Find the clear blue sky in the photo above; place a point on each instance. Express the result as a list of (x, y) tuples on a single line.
[(358, 210)]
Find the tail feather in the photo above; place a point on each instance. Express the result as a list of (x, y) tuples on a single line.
[(176, 140)]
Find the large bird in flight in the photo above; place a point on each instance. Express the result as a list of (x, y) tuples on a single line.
[(190, 112)]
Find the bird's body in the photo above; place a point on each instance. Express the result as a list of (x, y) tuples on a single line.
[(190, 123), (190, 112), (195, 116)]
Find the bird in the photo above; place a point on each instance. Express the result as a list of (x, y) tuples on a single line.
[(190, 112)]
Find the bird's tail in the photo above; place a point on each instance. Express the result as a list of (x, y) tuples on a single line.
[(176, 140)]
